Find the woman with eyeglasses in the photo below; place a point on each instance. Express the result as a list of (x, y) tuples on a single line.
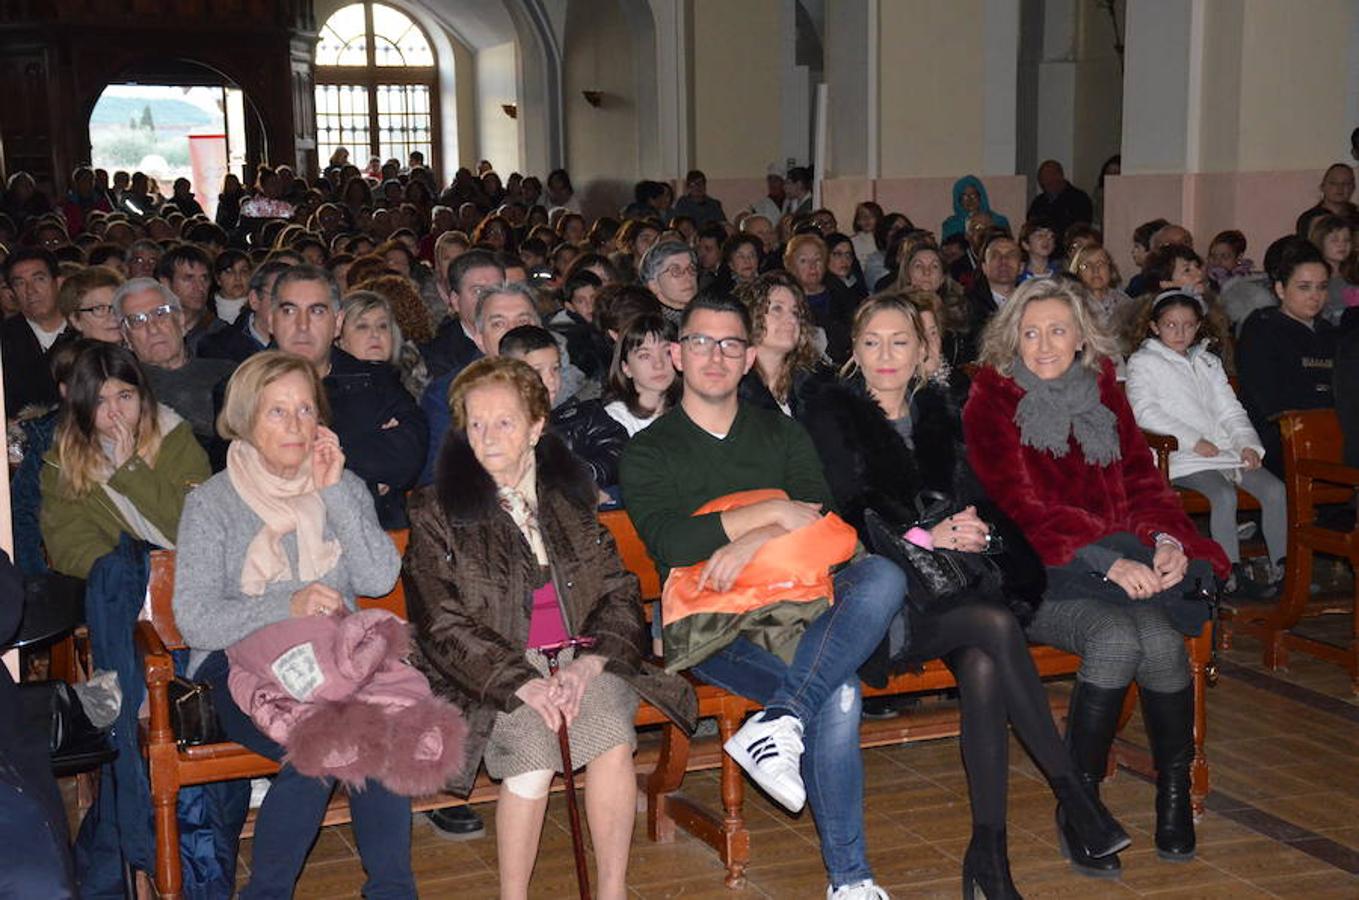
[(843, 265), (86, 300), (1177, 385), (120, 463), (1094, 267)]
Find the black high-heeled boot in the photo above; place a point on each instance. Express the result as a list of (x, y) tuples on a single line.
[(986, 866), (1086, 840), (1169, 718)]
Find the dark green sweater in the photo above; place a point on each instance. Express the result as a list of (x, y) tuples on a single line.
[(673, 467)]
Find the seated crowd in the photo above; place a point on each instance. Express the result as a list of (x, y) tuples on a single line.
[(271, 392)]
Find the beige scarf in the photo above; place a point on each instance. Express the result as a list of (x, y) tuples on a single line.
[(521, 502), (285, 505)]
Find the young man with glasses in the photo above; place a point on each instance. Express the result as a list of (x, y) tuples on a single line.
[(710, 446), (153, 324)]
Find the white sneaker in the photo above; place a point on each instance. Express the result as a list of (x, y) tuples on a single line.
[(862, 890), (771, 754)]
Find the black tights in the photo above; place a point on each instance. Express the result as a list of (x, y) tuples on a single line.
[(985, 649)]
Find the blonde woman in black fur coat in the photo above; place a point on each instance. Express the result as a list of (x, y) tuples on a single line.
[(887, 434)]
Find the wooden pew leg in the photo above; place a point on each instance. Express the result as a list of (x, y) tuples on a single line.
[(664, 780), (736, 849), (1198, 772), (169, 877), (1296, 591)]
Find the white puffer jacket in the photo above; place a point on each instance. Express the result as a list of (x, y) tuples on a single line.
[(1189, 397)]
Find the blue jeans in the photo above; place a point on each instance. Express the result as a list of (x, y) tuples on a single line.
[(821, 687), (290, 819)]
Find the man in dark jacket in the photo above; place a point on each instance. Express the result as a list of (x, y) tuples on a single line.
[(26, 339), (1061, 203), (383, 433), (1337, 189), (1001, 263), (186, 269), (454, 344)]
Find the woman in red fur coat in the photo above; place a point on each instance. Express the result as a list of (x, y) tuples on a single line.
[(1053, 441)]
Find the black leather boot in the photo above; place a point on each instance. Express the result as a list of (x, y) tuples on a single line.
[(1170, 729), (1083, 824), (986, 866)]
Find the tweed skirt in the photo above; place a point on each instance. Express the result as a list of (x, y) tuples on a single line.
[(520, 742)]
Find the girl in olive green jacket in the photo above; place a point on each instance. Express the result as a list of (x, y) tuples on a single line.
[(119, 463)]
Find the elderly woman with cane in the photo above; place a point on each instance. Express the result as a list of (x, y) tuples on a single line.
[(507, 566)]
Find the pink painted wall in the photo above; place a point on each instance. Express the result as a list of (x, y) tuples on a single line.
[(1263, 205)]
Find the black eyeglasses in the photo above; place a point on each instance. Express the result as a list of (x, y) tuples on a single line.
[(702, 344)]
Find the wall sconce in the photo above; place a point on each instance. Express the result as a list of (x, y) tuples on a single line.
[(594, 98), (511, 110)]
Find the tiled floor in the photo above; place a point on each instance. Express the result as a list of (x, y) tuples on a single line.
[(1283, 820)]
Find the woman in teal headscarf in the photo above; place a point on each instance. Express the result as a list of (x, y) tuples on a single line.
[(969, 196)]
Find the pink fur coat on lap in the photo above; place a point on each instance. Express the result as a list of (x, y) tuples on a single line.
[(338, 695)]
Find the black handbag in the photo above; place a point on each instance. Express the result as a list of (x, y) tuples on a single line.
[(935, 579), (193, 716), (53, 709)]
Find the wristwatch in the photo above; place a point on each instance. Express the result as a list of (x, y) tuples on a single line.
[(1160, 537)]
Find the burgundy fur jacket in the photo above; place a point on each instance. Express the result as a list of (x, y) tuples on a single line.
[(1064, 504)]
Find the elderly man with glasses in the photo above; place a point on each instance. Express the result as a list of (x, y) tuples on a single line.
[(153, 325)]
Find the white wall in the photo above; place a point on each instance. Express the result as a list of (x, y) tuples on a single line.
[(602, 142), (497, 133)]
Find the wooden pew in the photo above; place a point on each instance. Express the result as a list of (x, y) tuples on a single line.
[(172, 767), (1314, 476), (1194, 503)]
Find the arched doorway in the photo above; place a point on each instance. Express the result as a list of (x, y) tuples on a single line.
[(176, 119)]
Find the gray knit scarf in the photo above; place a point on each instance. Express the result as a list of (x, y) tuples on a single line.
[(1052, 410)]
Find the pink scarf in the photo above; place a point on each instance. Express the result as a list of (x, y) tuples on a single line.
[(285, 505)]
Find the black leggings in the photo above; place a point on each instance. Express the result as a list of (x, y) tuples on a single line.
[(985, 649)]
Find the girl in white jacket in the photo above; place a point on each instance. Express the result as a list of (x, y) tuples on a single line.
[(1177, 386)]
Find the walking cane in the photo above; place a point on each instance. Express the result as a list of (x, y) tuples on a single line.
[(577, 843)]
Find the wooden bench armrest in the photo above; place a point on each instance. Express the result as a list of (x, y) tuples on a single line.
[(1162, 445), (1333, 473), (159, 668)]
